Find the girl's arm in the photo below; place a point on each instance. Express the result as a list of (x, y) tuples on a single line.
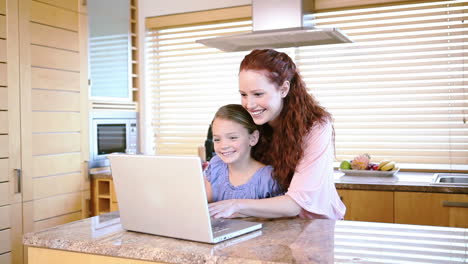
[(280, 206)]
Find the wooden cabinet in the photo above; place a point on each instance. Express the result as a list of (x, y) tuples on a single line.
[(11, 199), (43, 118), (420, 208), (104, 198), (438, 209), (114, 75), (374, 206)]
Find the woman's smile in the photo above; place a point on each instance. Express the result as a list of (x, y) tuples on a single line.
[(260, 97)]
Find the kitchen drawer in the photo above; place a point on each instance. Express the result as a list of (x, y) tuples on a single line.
[(438, 209), (374, 206)]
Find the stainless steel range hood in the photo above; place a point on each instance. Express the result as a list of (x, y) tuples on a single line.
[(277, 24)]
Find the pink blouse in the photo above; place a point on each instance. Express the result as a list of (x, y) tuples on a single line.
[(312, 186)]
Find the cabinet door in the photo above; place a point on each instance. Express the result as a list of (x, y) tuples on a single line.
[(439, 209), (374, 206), (53, 111), (11, 250), (109, 48)]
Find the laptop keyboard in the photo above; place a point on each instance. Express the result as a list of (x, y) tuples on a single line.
[(219, 225)]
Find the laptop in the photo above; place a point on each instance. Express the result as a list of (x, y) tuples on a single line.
[(165, 196)]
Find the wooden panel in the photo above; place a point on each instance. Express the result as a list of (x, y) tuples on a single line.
[(421, 208), (112, 191), (334, 4), (2, 7), (67, 4), (55, 122), (55, 185), (458, 216), (4, 193), (114, 206), (54, 37), (3, 122), (54, 16), (3, 97), (55, 79), (2, 27), (4, 217), (5, 244), (46, 100), (3, 170), (55, 143), (200, 17), (3, 50), (55, 221), (5, 258), (56, 164), (4, 146), (83, 82), (54, 58), (56, 206), (3, 77), (51, 256), (372, 206)]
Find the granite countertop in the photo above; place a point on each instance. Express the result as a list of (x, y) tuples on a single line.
[(291, 240)]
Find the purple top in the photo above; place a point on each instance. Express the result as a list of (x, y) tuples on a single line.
[(261, 184)]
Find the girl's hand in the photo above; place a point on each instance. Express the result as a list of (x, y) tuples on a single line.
[(224, 209)]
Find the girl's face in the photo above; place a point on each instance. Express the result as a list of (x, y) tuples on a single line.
[(232, 141), (263, 99)]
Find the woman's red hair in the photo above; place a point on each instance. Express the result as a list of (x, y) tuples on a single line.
[(283, 146)]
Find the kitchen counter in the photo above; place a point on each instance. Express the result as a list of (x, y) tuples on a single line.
[(402, 181), (101, 239)]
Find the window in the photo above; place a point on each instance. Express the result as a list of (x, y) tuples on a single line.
[(398, 92)]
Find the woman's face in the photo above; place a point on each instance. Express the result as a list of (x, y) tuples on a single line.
[(263, 99)]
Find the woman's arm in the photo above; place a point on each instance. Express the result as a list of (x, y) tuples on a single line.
[(280, 206)]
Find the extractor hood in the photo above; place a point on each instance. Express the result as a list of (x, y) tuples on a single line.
[(278, 24)]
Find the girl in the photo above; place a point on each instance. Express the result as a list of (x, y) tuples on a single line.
[(299, 141), (233, 173)]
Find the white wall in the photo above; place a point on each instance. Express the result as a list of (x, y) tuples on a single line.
[(151, 8)]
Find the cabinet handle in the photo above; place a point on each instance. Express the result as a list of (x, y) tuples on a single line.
[(454, 204), (18, 180)]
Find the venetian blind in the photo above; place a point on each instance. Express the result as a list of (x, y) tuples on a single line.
[(189, 82), (397, 92)]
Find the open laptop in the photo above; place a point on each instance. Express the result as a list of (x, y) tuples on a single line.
[(165, 195)]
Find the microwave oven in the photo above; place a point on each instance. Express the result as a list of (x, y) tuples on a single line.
[(110, 132)]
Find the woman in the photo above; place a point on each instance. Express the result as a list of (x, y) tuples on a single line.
[(298, 142)]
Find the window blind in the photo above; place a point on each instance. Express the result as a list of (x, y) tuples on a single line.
[(398, 92), (189, 82)]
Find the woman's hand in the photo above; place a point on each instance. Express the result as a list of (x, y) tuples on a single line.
[(225, 209)]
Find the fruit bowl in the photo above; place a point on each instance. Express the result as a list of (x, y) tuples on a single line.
[(370, 173)]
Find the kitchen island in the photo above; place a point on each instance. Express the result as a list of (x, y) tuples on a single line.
[(101, 239)]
